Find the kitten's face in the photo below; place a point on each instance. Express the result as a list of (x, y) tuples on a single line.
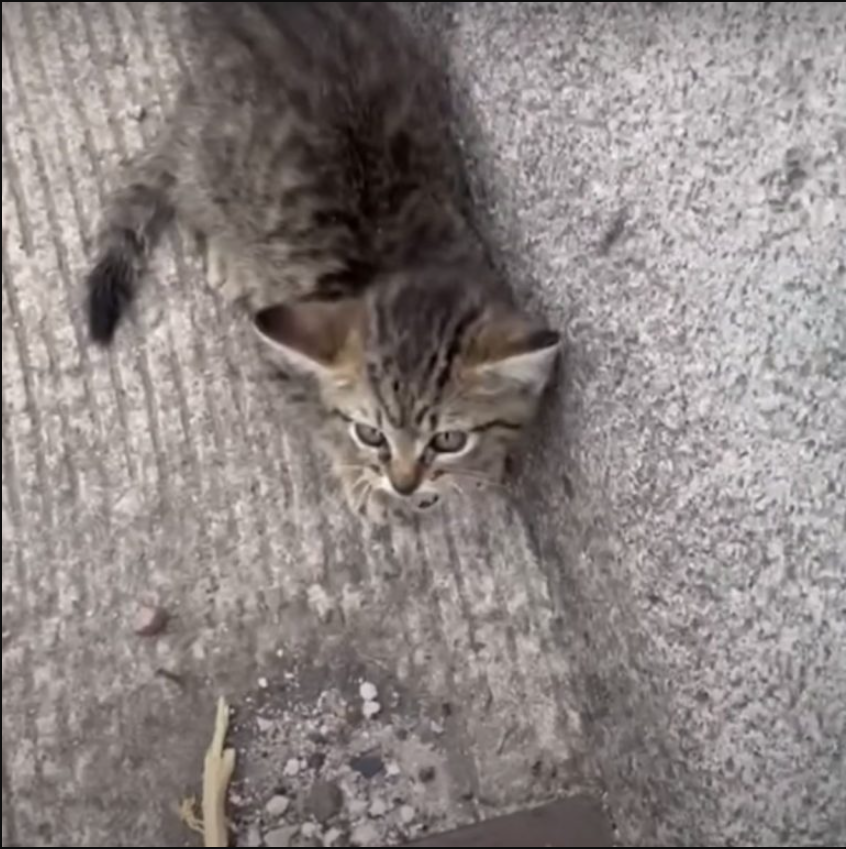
[(415, 461), (425, 392)]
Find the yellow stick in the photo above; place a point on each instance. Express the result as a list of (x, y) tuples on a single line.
[(218, 767)]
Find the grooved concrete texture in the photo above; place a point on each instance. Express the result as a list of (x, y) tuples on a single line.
[(664, 605)]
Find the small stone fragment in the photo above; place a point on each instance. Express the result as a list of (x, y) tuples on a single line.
[(332, 837), (394, 771), (292, 768), (310, 830), (325, 801), (407, 814), (371, 710), (378, 809), (368, 766), (368, 692), (357, 808), (277, 807), (265, 726), (365, 834), (151, 621), (263, 683)]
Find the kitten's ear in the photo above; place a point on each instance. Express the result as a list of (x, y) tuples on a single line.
[(510, 351), (310, 337)]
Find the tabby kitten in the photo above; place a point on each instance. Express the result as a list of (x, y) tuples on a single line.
[(310, 149)]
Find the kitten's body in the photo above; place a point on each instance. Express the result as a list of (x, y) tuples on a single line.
[(311, 151)]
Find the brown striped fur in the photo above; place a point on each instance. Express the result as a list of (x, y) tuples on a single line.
[(311, 151)]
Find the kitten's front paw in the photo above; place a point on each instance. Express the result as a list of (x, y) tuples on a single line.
[(217, 272), (363, 500), (220, 272), (377, 509)]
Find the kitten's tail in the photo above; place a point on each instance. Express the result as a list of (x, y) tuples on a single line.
[(135, 218)]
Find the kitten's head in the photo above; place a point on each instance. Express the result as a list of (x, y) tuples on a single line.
[(426, 386)]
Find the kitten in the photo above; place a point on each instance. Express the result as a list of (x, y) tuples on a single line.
[(311, 150)]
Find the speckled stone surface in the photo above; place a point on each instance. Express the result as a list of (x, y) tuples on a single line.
[(671, 181), (665, 606)]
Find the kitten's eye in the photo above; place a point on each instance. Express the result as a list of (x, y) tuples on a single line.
[(370, 436), (449, 441)]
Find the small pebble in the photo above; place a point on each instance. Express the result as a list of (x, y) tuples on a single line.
[(263, 683), (292, 768), (407, 814), (325, 801), (332, 837), (378, 809), (368, 691), (394, 771), (277, 807), (365, 834), (368, 766), (357, 808), (265, 726), (371, 710), (151, 621), (310, 830)]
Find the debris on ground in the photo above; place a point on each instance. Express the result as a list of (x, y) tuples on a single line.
[(218, 768), (151, 621), (316, 768), (325, 769)]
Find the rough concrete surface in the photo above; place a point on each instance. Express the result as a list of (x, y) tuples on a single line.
[(662, 607)]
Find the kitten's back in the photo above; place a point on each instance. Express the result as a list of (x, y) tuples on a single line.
[(336, 105), (350, 73), (311, 143)]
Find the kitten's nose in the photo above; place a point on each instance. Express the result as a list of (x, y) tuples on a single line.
[(405, 478)]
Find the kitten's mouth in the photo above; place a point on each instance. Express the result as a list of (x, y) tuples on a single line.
[(419, 502)]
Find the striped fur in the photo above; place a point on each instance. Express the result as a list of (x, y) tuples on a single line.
[(311, 150)]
